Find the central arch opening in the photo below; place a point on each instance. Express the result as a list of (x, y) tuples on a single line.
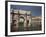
[(21, 24)]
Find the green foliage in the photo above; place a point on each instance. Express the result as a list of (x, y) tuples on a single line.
[(30, 28), (21, 26)]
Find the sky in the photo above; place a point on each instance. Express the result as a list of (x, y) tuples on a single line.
[(36, 10)]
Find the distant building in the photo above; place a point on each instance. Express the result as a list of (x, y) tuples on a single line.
[(36, 23), (36, 20)]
